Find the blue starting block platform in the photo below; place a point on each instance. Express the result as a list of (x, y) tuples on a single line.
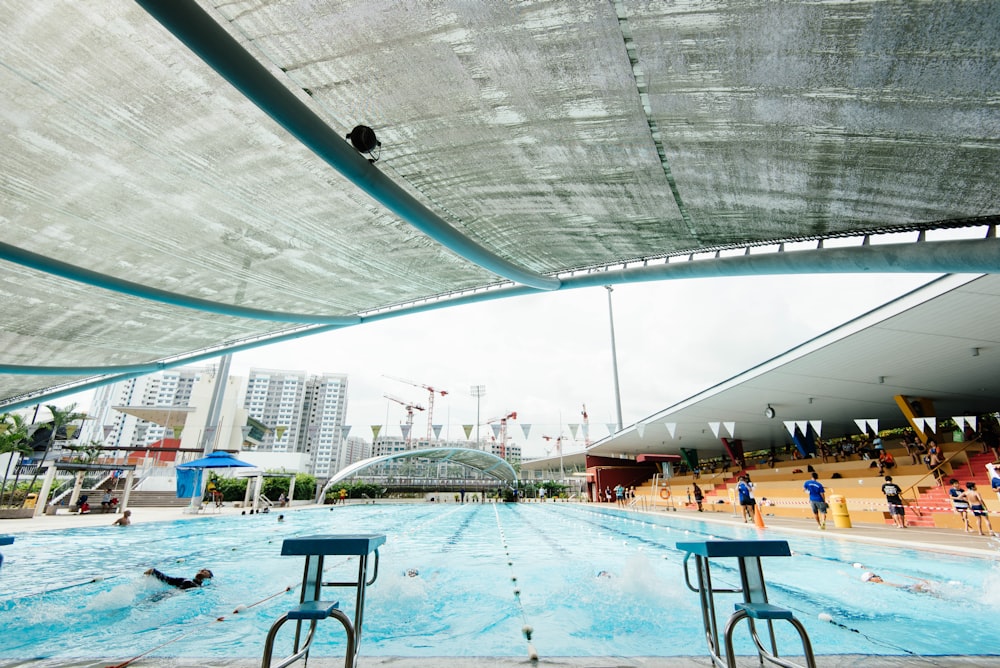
[(312, 608), (5, 540), (754, 607)]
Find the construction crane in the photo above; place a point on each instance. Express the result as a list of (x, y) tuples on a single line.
[(431, 391), (503, 430), (409, 413), (558, 440)]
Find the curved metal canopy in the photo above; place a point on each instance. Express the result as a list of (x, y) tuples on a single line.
[(477, 459), (177, 184)]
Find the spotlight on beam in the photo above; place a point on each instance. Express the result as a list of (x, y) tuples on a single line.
[(364, 140)]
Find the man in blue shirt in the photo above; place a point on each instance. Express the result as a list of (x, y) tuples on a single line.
[(747, 502), (817, 499)]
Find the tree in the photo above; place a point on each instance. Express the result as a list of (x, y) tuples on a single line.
[(61, 418), (13, 439)]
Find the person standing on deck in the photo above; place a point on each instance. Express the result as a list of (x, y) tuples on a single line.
[(892, 493), (978, 508), (747, 502), (817, 499)]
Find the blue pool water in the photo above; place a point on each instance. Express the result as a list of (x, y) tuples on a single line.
[(463, 602)]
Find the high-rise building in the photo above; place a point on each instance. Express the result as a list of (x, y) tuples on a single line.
[(166, 389), (278, 412), (305, 414)]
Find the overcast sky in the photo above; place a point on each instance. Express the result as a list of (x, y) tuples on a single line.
[(546, 356)]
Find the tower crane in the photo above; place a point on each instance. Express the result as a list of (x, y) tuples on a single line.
[(558, 440), (409, 413), (503, 430), (431, 391)]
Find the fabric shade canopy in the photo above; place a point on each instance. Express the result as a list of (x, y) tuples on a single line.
[(216, 460)]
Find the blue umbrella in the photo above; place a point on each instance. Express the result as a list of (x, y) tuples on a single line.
[(215, 460)]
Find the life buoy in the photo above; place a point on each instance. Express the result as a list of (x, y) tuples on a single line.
[(664, 493)]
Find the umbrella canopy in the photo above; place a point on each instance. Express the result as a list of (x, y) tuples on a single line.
[(215, 460)]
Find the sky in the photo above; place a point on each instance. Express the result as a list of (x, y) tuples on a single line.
[(546, 356)]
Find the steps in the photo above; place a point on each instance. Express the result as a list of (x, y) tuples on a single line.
[(937, 499)]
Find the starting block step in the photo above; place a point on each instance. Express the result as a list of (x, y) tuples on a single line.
[(764, 611), (313, 610)]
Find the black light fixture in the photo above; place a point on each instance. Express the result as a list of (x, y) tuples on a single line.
[(364, 140)]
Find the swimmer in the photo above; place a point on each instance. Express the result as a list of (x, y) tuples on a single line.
[(604, 574), (124, 520), (281, 518), (920, 586), (181, 583), (412, 572)]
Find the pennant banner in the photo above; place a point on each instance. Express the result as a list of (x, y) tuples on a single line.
[(731, 428), (376, 428), (817, 426), (525, 429), (405, 428), (108, 428), (965, 420), (803, 426), (932, 423), (790, 426), (467, 428), (672, 428), (345, 430), (496, 430), (70, 430), (641, 429), (279, 431), (437, 432), (873, 425), (612, 428), (573, 428), (862, 425), (925, 424), (177, 431), (715, 428)]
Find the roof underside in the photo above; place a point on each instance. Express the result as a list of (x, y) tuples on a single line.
[(479, 460), (552, 136)]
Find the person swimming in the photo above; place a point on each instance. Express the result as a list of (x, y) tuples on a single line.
[(181, 583), (920, 586)]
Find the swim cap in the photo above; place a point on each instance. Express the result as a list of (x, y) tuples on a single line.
[(866, 576)]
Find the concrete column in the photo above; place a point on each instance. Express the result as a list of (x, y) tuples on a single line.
[(291, 489), (129, 476), (77, 488), (43, 494)]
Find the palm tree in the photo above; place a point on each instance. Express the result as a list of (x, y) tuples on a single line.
[(13, 439), (61, 418)]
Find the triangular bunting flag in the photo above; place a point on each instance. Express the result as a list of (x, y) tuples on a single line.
[(873, 425), (612, 427), (467, 428), (405, 428), (803, 426), (931, 422), (345, 430), (108, 428), (959, 421), (862, 425), (279, 431), (496, 430), (715, 428), (920, 423), (245, 431), (573, 428), (70, 430), (437, 431), (817, 426), (790, 426), (640, 429), (672, 428), (376, 428), (177, 431), (525, 429), (731, 428), (971, 421)]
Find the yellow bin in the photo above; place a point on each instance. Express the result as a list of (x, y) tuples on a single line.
[(838, 508)]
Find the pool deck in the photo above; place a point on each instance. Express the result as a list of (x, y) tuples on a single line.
[(920, 538)]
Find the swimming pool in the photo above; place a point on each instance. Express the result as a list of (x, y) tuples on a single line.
[(485, 573)]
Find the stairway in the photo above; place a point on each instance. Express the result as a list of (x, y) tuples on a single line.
[(937, 499)]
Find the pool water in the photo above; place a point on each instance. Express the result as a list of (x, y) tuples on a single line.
[(586, 581)]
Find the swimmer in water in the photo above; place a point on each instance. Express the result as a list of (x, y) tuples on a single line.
[(182, 583), (920, 586), (412, 572)]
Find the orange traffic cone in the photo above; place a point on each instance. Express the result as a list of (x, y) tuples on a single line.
[(758, 519)]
